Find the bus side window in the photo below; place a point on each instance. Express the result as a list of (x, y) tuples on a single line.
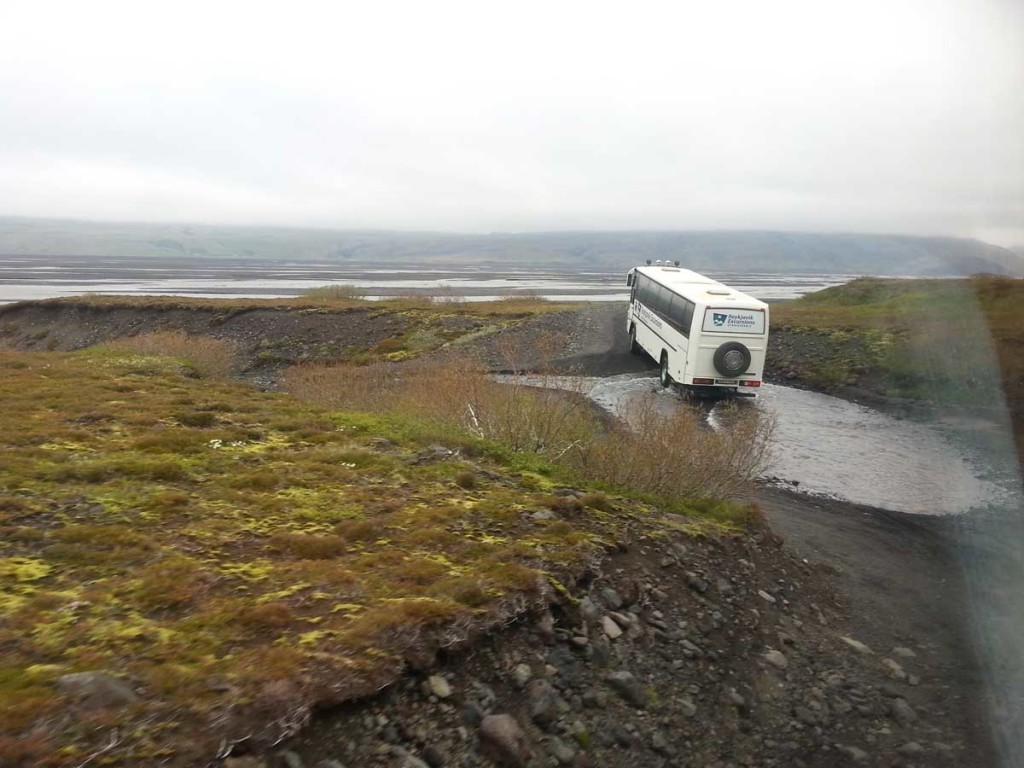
[(662, 302), (675, 310), (687, 320), (646, 297)]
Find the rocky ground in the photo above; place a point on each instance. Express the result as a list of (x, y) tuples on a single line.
[(681, 651)]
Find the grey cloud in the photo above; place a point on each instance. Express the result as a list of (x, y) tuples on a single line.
[(896, 117)]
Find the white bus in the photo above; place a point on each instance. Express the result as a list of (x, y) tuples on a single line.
[(708, 338)]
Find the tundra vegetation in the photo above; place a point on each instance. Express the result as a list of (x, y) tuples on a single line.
[(240, 557)]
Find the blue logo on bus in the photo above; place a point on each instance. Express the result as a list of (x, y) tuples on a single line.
[(718, 320)]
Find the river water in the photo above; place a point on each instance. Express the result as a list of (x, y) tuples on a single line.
[(840, 449), (23, 278)]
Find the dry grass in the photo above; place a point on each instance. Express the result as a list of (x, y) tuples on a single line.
[(673, 455), (341, 292), (210, 358), (456, 393)]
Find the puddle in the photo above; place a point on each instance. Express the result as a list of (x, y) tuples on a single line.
[(837, 448)]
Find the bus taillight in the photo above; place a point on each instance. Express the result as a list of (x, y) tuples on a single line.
[(748, 383)]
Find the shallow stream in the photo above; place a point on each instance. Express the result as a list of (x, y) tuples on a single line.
[(824, 445)]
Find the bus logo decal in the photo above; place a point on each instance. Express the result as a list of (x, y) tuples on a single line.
[(718, 319)]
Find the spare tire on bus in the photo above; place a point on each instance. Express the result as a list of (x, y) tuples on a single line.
[(732, 359)]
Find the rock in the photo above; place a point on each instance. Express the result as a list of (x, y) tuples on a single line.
[(901, 711), (410, 760), (856, 754), (593, 699), (628, 687), (624, 620), (834, 680), (602, 651), (289, 759), (611, 598), (522, 674), (472, 714), (504, 741), (561, 751), (805, 715), (546, 628), (894, 669), (776, 658), (619, 735), (661, 744), (910, 748), (433, 453), (696, 583), (735, 698), (913, 680), (589, 610), (687, 707), (765, 596), (245, 761), (904, 653), (570, 670), (690, 650), (97, 690), (857, 645), (438, 686), (610, 627), (546, 706), (433, 756)]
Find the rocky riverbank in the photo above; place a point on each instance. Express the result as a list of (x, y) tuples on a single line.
[(680, 651)]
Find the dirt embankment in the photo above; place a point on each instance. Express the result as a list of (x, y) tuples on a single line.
[(681, 651), (265, 338)]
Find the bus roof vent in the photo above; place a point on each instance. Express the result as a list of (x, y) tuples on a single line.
[(718, 291)]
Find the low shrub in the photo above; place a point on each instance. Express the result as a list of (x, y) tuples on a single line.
[(674, 455), (456, 393), (308, 547), (210, 358), (341, 292)]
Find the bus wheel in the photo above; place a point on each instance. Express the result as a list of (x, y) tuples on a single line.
[(666, 378), (732, 358), (634, 347)]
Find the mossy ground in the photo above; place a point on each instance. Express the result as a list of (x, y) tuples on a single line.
[(949, 341), (239, 556)]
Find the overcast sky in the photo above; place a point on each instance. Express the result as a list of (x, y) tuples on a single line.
[(863, 115)]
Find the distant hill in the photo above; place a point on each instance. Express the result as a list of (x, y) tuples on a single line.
[(752, 251)]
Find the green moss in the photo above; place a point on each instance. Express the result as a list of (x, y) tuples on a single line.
[(23, 569)]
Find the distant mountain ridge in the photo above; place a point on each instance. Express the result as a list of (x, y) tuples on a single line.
[(746, 251)]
